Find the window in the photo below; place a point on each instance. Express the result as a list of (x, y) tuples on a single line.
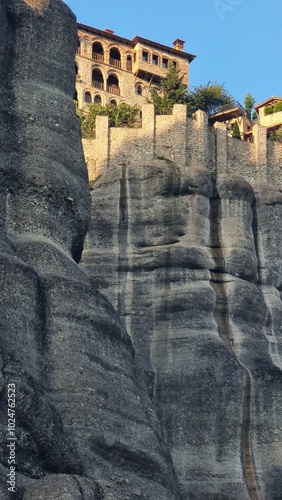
[(165, 62), (97, 79), (97, 99), (115, 59), (129, 63), (174, 64), (113, 85), (87, 97), (113, 102), (155, 59), (134, 57), (145, 56), (138, 89), (97, 52)]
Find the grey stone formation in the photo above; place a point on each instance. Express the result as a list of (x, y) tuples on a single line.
[(166, 386), (85, 424), (193, 267)]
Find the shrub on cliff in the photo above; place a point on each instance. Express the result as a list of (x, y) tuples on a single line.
[(122, 115), (236, 131), (268, 110), (276, 135), (278, 107)]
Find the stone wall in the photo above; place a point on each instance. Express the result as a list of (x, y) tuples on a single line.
[(187, 142)]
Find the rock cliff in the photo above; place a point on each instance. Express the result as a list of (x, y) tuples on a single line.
[(85, 424), (166, 386), (193, 267)]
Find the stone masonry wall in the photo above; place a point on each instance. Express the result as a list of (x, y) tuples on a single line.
[(190, 142)]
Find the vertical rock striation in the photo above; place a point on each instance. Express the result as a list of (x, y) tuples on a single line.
[(85, 425), (178, 396), (197, 284)]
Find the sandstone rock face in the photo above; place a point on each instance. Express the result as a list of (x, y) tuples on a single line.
[(193, 267), (85, 424)]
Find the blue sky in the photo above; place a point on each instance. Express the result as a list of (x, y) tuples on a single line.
[(237, 42)]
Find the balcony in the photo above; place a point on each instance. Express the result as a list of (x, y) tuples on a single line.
[(227, 107), (113, 89), (227, 112), (98, 85), (97, 57), (272, 120), (115, 62)]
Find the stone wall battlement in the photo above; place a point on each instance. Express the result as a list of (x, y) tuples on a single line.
[(188, 142)]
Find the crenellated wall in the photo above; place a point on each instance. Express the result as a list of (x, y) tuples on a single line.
[(185, 141)]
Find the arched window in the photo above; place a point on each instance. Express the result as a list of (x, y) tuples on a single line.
[(138, 89), (97, 52), (97, 99), (113, 102), (113, 85), (97, 79), (129, 63), (115, 59), (87, 97)]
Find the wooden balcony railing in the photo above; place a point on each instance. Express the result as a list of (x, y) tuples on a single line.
[(97, 85), (113, 89), (226, 107), (115, 62), (98, 57)]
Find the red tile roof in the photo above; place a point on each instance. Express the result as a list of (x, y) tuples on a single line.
[(137, 39)]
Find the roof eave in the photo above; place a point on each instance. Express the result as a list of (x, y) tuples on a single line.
[(135, 40)]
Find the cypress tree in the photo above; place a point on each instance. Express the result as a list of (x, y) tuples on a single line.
[(236, 131)]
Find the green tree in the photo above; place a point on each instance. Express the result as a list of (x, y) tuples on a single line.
[(122, 115), (208, 98), (249, 102), (276, 135), (268, 110), (278, 106), (236, 131), (172, 91)]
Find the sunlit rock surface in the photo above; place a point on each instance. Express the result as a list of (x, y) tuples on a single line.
[(193, 267), (166, 386), (85, 424)]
